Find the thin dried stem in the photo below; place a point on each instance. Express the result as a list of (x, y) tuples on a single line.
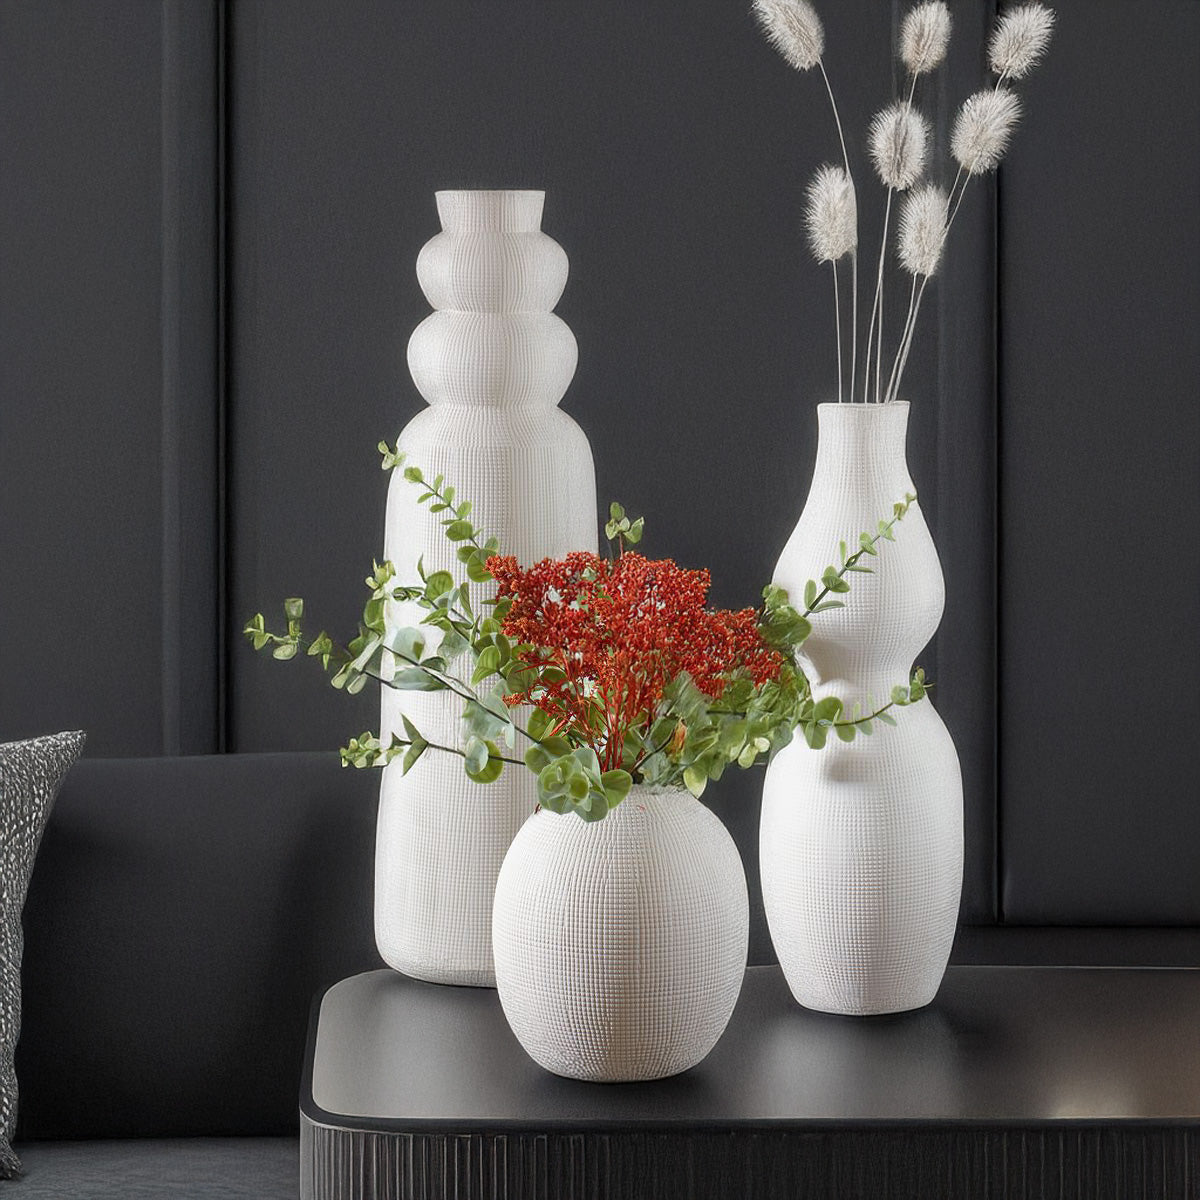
[(854, 257), (892, 381), (911, 330), (877, 303), (879, 334), (837, 321)]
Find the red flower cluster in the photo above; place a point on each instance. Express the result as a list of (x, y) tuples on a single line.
[(620, 632)]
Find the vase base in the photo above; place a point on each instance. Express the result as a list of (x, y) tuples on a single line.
[(448, 976), (619, 1078), (883, 1010), (881, 1007)]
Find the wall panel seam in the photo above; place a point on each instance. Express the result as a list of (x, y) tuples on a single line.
[(222, 116), (171, 573)]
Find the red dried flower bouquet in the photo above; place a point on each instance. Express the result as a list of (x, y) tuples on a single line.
[(604, 639), (629, 675)]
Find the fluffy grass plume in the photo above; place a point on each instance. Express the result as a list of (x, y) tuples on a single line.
[(983, 128), (923, 229), (831, 215), (897, 140), (1020, 39), (794, 29), (924, 36)]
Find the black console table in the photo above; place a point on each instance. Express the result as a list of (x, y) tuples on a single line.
[(1039, 1082)]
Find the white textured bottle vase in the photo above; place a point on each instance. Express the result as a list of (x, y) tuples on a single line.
[(861, 843), (492, 361), (621, 943)]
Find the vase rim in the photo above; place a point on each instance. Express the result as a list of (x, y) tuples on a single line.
[(491, 192), (497, 210), (891, 404)]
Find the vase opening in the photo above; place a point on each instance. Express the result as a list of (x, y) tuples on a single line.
[(858, 438), (867, 412), (514, 211)]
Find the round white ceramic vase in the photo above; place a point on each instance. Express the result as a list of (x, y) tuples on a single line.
[(861, 843), (621, 944), (492, 361)]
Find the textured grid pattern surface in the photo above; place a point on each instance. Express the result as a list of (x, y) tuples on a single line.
[(493, 362), (620, 945), (31, 773), (861, 844)]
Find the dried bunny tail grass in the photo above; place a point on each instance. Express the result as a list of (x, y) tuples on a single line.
[(983, 129), (924, 36), (897, 140), (794, 29), (831, 215), (1020, 39), (923, 229)]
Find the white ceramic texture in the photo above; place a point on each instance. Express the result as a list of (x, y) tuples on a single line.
[(621, 944), (493, 363), (861, 843)]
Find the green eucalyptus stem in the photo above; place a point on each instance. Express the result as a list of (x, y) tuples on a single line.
[(867, 544), (464, 691), (396, 742), (472, 621), (641, 762), (442, 497), (871, 716)]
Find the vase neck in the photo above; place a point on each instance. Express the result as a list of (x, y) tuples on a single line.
[(862, 447), (502, 211)]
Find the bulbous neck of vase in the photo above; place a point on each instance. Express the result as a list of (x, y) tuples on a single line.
[(858, 652), (862, 447), (508, 211)]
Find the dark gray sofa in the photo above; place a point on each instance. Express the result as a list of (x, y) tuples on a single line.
[(182, 914)]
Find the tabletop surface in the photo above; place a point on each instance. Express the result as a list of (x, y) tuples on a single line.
[(1026, 1045)]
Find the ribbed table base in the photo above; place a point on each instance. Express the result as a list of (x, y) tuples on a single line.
[(898, 1164)]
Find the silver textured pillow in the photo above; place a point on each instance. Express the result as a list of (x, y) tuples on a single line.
[(30, 775)]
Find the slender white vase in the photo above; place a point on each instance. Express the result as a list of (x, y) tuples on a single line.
[(621, 944), (493, 361), (861, 843)]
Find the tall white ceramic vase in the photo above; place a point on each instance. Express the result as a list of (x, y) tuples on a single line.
[(492, 361), (621, 943), (861, 843)]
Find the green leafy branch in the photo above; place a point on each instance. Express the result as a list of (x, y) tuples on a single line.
[(690, 739), (473, 552), (834, 578), (827, 715), (786, 627)]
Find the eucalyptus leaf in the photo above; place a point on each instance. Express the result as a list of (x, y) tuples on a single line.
[(413, 679), (475, 755), (492, 768), (413, 754)]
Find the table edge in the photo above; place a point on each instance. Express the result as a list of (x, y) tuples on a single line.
[(315, 1116)]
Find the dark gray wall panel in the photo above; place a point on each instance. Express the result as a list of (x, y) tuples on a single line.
[(106, 462), (192, 403), (1100, 454)]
